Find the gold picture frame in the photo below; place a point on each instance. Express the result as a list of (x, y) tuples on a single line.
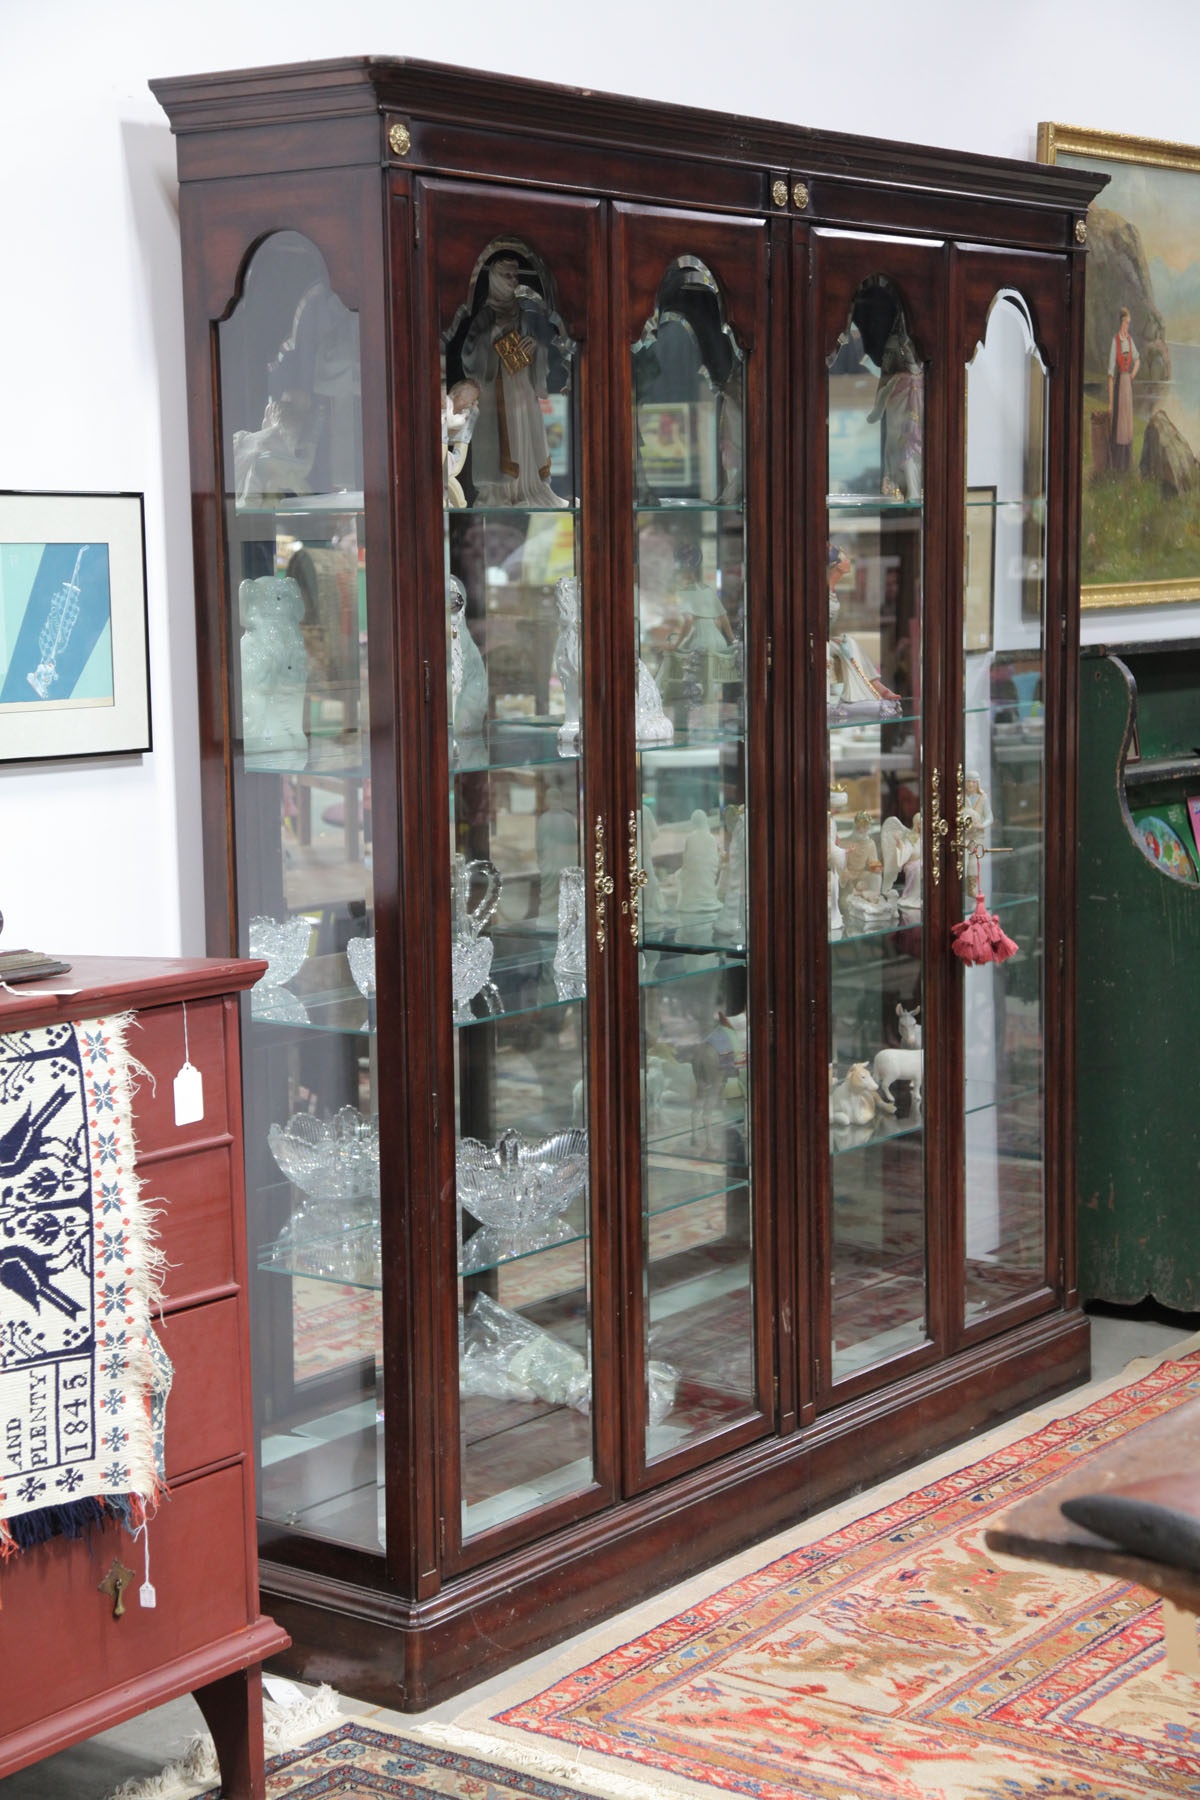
[(1140, 538)]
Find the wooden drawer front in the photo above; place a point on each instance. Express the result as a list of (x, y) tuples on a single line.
[(195, 1222), (61, 1641), (157, 1041), (204, 1411)]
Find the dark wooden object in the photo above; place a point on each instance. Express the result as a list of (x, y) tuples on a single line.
[(1038, 1529), (1139, 995), (393, 169), (73, 1663)]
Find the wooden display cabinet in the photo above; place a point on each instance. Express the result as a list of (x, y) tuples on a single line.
[(653, 851), (81, 1665)]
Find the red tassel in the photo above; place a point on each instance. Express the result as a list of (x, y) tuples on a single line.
[(972, 937), (981, 938)]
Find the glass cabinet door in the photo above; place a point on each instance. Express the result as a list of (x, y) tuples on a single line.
[(296, 652), (693, 398), (1002, 807), (518, 619), (875, 349)]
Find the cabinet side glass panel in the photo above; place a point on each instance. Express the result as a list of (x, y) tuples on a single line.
[(1003, 793), (682, 869), (293, 506), (514, 615), (874, 553)]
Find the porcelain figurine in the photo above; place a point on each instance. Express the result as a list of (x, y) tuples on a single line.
[(852, 682), (901, 845), (566, 661), (862, 854), (468, 671), (506, 354), (979, 807), (900, 405), (460, 409), (899, 1063), (837, 863), (732, 922), (274, 673), (699, 902), (277, 459), (908, 1025), (857, 1099), (701, 655)]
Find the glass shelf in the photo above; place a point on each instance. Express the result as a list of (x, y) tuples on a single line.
[(733, 507), (1023, 507), (322, 761), (981, 1097), (860, 713), (867, 504), (349, 500), (568, 510), (696, 737), (503, 745)]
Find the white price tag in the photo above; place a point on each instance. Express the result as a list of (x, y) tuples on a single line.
[(147, 1595), (189, 1095)]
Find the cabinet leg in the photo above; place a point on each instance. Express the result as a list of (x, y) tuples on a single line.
[(232, 1709)]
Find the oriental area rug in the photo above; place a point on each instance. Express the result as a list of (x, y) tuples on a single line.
[(884, 1654)]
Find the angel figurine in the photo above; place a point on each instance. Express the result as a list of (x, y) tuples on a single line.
[(901, 846)]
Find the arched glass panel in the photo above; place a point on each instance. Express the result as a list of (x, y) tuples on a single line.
[(515, 624), (877, 956), (1003, 792), (688, 840), (290, 384)]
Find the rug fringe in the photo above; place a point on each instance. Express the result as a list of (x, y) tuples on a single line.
[(284, 1728), (506, 1754)]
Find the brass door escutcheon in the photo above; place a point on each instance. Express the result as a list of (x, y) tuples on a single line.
[(602, 882), (939, 827), (114, 1584), (637, 880)]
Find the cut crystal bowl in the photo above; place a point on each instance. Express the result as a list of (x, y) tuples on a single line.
[(360, 954), (518, 1191), (284, 943), (331, 1159)]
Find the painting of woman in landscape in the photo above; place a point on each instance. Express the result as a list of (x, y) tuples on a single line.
[(1141, 426)]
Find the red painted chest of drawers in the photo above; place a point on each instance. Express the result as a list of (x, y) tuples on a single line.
[(72, 1668)]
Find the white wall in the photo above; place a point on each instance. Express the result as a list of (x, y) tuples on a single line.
[(105, 856)]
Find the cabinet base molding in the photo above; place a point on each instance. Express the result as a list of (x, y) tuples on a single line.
[(411, 1655)]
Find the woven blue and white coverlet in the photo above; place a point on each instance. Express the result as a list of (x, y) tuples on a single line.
[(82, 1377)]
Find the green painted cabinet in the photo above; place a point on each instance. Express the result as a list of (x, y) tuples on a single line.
[(1139, 980)]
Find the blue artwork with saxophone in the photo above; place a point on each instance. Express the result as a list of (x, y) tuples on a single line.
[(55, 625)]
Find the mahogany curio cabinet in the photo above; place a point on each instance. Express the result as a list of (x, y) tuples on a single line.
[(636, 558)]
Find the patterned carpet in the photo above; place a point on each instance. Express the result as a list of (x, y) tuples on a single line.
[(896, 1658), (358, 1762)]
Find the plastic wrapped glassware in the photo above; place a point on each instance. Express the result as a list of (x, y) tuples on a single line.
[(518, 1191)]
